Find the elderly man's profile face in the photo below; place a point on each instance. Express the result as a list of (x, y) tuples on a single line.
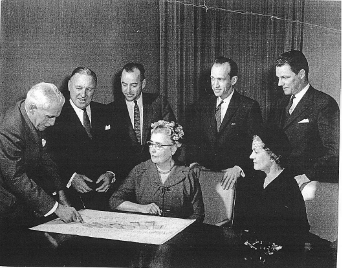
[(82, 88), (43, 118), (221, 82), (131, 84)]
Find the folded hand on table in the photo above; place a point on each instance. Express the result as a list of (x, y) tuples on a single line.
[(150, 209)]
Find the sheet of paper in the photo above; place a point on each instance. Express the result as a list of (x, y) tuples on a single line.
[(119, 226)]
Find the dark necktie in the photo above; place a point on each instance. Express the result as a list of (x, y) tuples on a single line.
[(289, 105), (137, 121), (86, 123), (218, 116)]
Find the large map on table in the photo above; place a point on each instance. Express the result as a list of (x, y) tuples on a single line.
[(119, 226)]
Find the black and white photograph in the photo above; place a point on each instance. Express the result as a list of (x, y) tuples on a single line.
[(170, 133)]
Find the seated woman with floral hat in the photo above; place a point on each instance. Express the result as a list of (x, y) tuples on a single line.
[(160, 186)]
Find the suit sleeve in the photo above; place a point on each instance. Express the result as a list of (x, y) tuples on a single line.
[(197, 199), (12, 163), (326, 166), (50, 168), (126, 191)]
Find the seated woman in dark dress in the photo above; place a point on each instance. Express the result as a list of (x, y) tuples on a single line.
[(274, 209), (159, 186)]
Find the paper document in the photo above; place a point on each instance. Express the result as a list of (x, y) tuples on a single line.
[(119, 226)]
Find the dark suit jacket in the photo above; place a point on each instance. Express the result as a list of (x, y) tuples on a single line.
[(313, 131), (232, 144), (28, 174), (122, 136), (70, 145)]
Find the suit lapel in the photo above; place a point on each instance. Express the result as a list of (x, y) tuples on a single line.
[(304, 104), (232, 108), (282, 111), (147, 114), (123, 111), (71, 116), (211, 118)]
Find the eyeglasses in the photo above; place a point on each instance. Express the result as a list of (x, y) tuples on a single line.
[(157, 145)]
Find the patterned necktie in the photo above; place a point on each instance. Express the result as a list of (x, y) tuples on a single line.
[(289, 108), (86, 123), (218, 116), (137, 121)]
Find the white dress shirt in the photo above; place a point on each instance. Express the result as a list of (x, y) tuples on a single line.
[(79, 112), (224, 105)]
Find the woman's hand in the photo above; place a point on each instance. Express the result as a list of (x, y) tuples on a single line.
[(150, 209)]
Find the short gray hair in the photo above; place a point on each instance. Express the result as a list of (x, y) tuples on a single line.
[(44, 95)]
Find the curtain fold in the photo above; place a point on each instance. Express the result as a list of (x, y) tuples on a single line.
[(252, 33)]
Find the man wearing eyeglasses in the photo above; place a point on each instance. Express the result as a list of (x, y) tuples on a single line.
[(131, 115)]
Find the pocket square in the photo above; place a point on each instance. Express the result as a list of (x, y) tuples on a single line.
[(304, 121), (43, 142), (107, 127)]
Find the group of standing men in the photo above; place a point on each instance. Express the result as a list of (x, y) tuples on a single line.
[(88, 146)]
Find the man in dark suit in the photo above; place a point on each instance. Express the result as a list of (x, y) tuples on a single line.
[(310, 118), (131, 115), (224, 125), (30, 188), (77, 144)]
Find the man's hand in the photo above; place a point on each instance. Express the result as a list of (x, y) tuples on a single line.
[(62, 198), (79, 184), (68, 214), (107, 179), (150, 209), (230, 176), (302, 180)]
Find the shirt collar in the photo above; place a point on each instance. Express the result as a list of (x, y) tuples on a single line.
[(301, 93), (226, 100), (139, 101), (78, 110)]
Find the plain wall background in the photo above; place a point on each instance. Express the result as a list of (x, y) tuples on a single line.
[(45, 40)]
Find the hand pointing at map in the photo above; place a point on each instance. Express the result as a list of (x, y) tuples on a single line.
[(68, 214)]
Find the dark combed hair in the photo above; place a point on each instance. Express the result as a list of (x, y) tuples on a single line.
[(129, 67), (233, 66), (295, 59), (84, 70)]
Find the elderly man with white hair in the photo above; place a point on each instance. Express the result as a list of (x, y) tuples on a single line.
[(30, 186)]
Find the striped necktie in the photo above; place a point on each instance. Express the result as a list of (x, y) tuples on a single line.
[(218, 116), (289, 108), (137, 121), (86, 123)]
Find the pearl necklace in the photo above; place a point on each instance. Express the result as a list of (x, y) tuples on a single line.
[(165, 171)]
